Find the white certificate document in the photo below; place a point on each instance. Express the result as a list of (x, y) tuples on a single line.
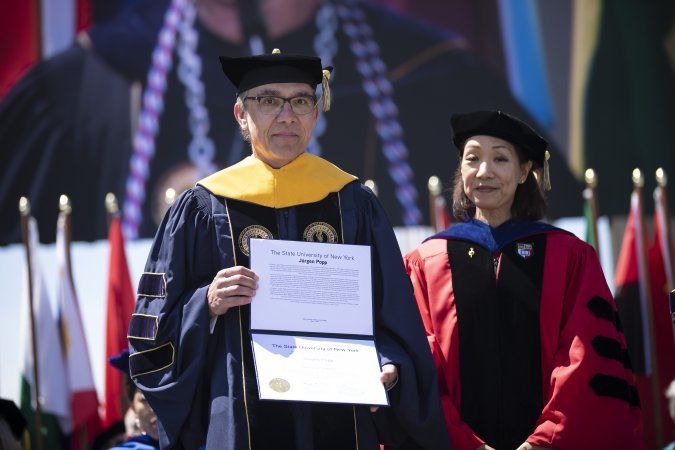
[(315, 369), (312, 323), (311, 287)]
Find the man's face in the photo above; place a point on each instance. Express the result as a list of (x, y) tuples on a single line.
[(277, 139)]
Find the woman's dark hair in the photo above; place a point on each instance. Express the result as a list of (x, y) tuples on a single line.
[(529, 202)]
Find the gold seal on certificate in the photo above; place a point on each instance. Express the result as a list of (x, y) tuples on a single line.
[(279, 385)]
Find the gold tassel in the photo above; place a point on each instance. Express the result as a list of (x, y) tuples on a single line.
[(325, 94), (546, 181)]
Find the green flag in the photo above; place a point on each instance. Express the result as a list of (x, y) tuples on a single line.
[(53, 392)]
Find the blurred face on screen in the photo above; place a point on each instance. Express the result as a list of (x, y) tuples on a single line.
[(280, 17)]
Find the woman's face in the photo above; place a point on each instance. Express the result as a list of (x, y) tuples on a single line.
[(147, 419), (491, 172)]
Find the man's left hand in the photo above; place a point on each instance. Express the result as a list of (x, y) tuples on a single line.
[(388, 376)]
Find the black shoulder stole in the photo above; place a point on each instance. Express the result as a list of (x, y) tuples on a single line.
[(317, 222), (499, 339), (320, 221)]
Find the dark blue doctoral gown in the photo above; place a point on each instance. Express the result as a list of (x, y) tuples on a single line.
[(194, 378)]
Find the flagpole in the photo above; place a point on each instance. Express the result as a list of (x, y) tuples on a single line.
[(65, 211), (590, 194), (112, 211), (24, 209), (638, 184), (114, 393), (435, 187), (111, 207), (662, 182)]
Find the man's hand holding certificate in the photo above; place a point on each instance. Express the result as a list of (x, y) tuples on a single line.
[(312, 323)]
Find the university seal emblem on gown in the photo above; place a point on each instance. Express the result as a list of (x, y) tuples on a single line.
[(252, 231), (320, 232), (525, 250)]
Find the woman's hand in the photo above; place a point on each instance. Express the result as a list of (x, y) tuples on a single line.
[(485, 447), (234, 286)]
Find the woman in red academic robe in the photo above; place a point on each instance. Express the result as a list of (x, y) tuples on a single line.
[(521, 323)]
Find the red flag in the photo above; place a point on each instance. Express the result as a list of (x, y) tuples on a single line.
[(83, 398), (632, 290), (441, 214), (438, 206), (121, 302), (660, 265), (633, 300), (661, 250)]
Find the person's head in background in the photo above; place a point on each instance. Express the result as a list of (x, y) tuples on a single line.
[(110, 437), (145, 419), (12, 426)]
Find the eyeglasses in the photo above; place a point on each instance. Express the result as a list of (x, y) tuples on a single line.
[(272, 105)]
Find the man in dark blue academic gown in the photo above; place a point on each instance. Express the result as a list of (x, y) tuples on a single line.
[(189, 336)]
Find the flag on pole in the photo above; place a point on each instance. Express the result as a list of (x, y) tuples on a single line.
[(53, 391), (633, 300), (121, 301), (591, 210), (590, 221), (663, 244), (82, 390), (632, 291), (441, 213), (661, 271)]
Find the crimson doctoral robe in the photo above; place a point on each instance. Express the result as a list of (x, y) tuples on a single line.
[(526, 339)]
